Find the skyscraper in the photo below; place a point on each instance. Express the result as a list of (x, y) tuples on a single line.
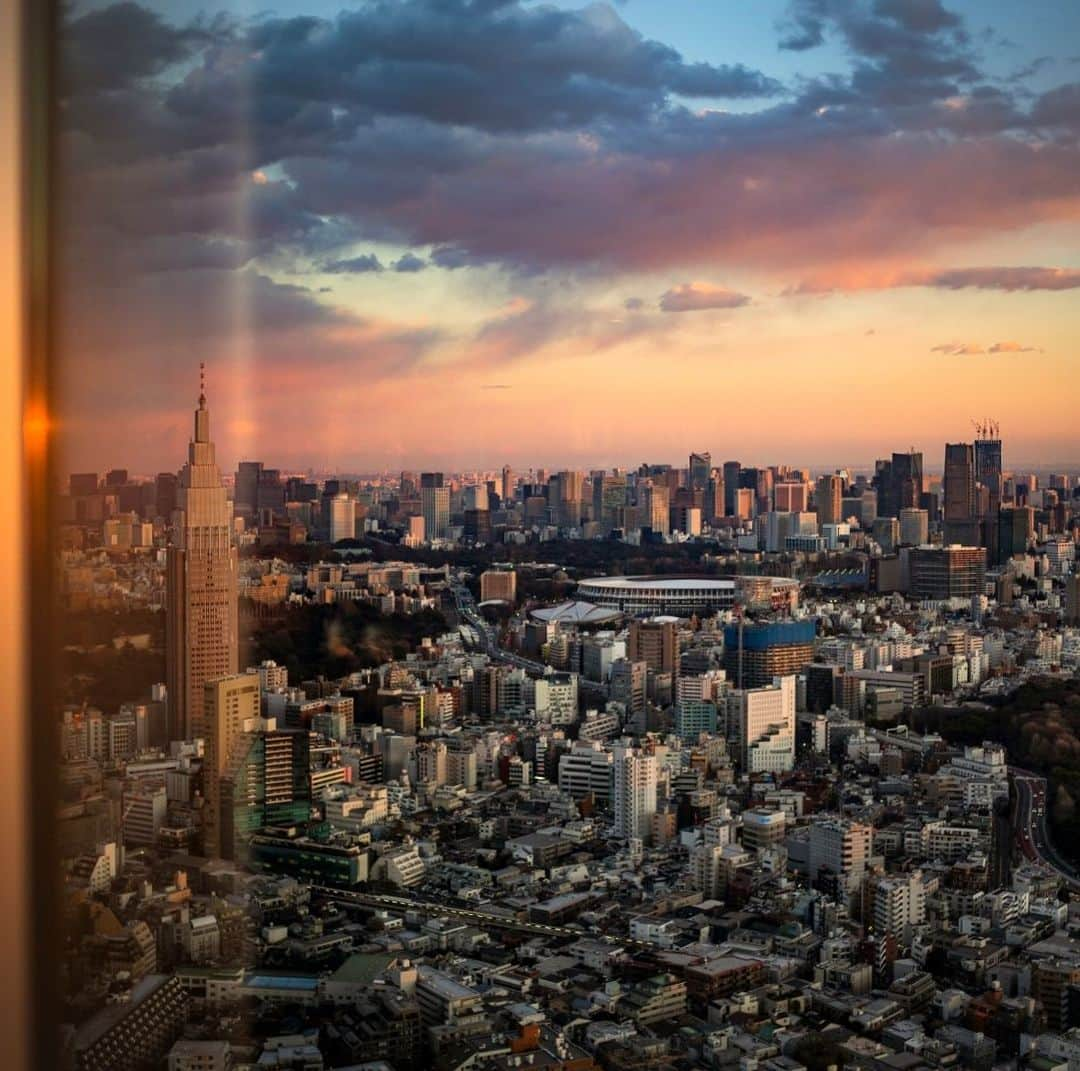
[(715, 497), (201, 575), (165, 495), (246, 488), (732, 473), (899, 483), (635, 792), (655, 642), (988, 470), (342, 517), (230, 705), (914, 527), (700, 469), (566, 505), (267, 782), (435, 505), (791, 497), (656, 501), (828, 497), (959, 487), (609, 500), (762, 724)]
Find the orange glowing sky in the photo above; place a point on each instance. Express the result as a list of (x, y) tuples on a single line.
[(569, 236)]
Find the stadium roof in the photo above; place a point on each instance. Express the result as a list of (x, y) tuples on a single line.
[(576, 612)]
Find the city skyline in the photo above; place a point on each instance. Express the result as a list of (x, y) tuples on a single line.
[(933, 470), (625, 229)]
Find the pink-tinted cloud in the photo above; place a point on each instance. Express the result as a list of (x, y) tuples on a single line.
[(1005, 278), (958, 349), (691, 297), (525, 327), (965, 349), (1013, 347)]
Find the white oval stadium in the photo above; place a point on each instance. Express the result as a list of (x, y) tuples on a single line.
[(682, 596)]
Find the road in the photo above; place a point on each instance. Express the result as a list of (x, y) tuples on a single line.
[(1031, 833), (484, 919), (484, 634)]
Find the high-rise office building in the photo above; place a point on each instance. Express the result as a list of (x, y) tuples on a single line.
[(609, 500), (81, 484), (899, 483), (828, 496), (269, 496), (246, 488), (732, 473), (886, 532), (629, 681), (506, 489), (565, 497), (914, 527), (1015, 529), (961, 525), (743, 504), (715, 506), (899, 905), (634, 784), (478, 525), (655, 642), (761, 722), (230, 704), (947, 572), (1072, 599), (201, 577), (839, 854), (435, 507), (700, 469), (342, 517), (165, 486), (266, 782), (760, 651), (791, 497), (475, 496), (657, 509), (988, 470)]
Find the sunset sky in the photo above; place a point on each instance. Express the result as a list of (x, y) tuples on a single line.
[(441, 233)]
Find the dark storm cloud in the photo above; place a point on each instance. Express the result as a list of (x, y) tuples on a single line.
[(501, 67), (904, 52), (113, 47), (366, 262), (533, 138), (450, 257), (1059, 107), (409, 263)]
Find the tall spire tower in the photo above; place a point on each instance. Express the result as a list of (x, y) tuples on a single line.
[(201, 610)]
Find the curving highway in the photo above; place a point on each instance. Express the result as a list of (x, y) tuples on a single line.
[(1031, 833), (483, 633)]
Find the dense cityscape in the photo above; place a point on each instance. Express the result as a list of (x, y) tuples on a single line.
[(718, 766), (552, 537)]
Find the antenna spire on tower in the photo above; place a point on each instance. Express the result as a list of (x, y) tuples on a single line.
[(202, 384)]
